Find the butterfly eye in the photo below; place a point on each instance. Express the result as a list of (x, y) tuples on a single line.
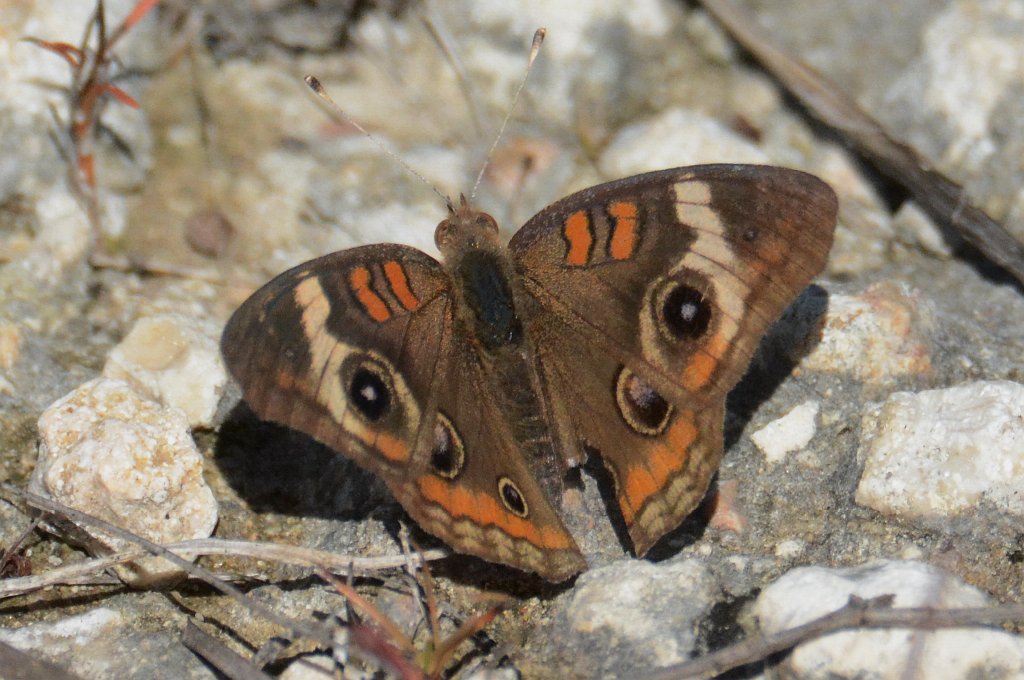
[(512, 497), (448, 455), (644, 410), (369, 391), (485, 222), (685, 311)]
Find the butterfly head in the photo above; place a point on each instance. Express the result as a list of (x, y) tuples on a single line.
[(466, 228)]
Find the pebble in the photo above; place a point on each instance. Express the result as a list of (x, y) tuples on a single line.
[(792, 432), (875, 336), (113, 454), (175, 360), (939, 453), (807, 593)]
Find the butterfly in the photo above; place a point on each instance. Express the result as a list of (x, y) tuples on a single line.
[(615, 321)]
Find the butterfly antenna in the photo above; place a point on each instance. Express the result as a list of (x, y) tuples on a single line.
[(318, 88), (538, 40)]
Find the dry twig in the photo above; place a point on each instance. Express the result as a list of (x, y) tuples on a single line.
[(943, 199), (857, 614)]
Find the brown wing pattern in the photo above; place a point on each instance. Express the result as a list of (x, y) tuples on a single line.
[(357, 349), (300, 348), (483, 498), (653, 293)]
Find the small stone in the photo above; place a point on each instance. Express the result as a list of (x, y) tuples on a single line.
[(915, 226), (175, 360), (874, 337), (789, 433), (110, 453), (66, 637), (939, 453), (209, 232), (808, 593), (10, 344), (673, 138), (631, 616), (310, 667)]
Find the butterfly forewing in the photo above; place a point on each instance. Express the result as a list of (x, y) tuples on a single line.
[(345, 349)]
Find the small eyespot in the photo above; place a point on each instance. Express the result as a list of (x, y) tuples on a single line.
[(448, 456), (512, 497), (369, 391), (685, 312), (750, 234), (645, 411)]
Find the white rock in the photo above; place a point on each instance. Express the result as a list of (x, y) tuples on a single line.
[(108, 452), (61, 638), (807, 593), (941, 452), (789, 433), (970, 59), (640, 614), (175, 360), (673, 138), (312, 667), (876, 336)]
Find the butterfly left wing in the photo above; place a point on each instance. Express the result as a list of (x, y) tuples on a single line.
[(359, 350), (346, 348), (652, 294)]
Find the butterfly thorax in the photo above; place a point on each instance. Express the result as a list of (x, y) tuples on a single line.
[(483, 277)]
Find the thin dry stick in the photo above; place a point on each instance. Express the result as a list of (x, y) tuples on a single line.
[(229, 662), (939, 196), (295, 627), (856, 614), (273, 552)]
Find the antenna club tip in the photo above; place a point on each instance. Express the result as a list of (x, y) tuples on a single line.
[(313, 83)]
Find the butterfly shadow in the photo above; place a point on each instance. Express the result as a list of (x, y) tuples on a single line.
[(276, 469), (784, 345), (787, 341)]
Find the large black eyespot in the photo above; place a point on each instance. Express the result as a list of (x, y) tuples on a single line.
[(512, 497), (644, 410), (448, 456), (369, 391), (686, 312)]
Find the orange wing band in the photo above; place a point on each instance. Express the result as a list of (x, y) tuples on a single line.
[(484, 510), (359, 282), (624, 231), (578, 234), (663, 462), (399, 283)]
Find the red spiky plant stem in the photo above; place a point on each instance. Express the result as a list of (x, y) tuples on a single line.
[(92, 70)]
